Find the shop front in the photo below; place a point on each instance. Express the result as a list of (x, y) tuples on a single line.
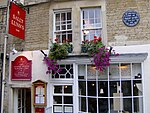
[(80, 88)]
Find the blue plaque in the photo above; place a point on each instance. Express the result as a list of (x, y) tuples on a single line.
[(131, 18)]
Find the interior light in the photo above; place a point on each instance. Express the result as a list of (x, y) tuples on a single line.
[(93, 84), (123, 66), (66, 86), (101, 91)]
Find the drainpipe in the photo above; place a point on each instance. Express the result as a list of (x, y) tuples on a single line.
[(3, 75), (1, 79)]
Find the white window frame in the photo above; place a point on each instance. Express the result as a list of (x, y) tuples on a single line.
[(60, 31), (91, 28), (121, 81)]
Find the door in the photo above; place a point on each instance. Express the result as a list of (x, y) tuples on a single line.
[(22, 100)]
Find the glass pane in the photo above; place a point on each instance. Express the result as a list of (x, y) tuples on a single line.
[(58, 109), (103, 105), (67, 89), (68, 26), (97, 21), (57, 100), (125, 71), (103, 75), (127, 105), (91, 85), (91, 13), (82, 104), (57, 89), (68, 100), (68, 109), (57, 28), (103, 89), (63, 27), (63, 16), (57, 17), (81, 72), (126, 88), (97, 13), (114, 71), (91, 72), (19, 110), (91, 21), (137, 88), (136, 71), (138, 105), (85, 14), (69, 37), (92, 105), (82, 88), (69, 16), (114, 87), (116, 104)]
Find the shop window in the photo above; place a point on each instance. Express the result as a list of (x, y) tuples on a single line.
[(63, 25), (63, 99), (117, 89), (91, 23)]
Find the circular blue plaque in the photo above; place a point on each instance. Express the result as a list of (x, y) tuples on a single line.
[(131, 18)]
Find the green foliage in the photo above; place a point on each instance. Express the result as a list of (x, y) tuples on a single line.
[(58, 51)]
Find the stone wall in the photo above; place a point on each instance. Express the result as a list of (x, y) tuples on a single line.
[(37, 28), (118, 32)]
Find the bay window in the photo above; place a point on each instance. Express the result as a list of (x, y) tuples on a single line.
[(118, 89)]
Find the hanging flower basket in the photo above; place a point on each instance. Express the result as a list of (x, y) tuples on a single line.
[(101, 54), (57, 52)]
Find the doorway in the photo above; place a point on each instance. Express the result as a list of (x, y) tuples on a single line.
[(22, 100)]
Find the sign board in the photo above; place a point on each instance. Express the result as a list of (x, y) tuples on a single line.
[(17, 21), (39, 93), (21, 68), (39, 110), (131, 18)]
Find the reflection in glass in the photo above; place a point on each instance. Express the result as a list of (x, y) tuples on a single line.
[(91, 72), (68, 100), (82, 88), (57, 99), (92, 105), (82, 104), (127, 102), (113, 87), (126, 88), (91, 85), (58, 89), (137, 88), (114, 71), (103, 105), (125, 71), (138, 105), (136, 69)]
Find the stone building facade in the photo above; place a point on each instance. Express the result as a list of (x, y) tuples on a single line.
[(131, 42)]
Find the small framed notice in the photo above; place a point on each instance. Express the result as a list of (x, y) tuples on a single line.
[(39, 93)]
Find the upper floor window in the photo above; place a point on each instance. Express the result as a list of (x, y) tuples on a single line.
[(91, 23), (63, 25)]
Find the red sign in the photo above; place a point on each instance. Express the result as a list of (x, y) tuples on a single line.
[(39, 110), (17, 21), (21, 69)]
